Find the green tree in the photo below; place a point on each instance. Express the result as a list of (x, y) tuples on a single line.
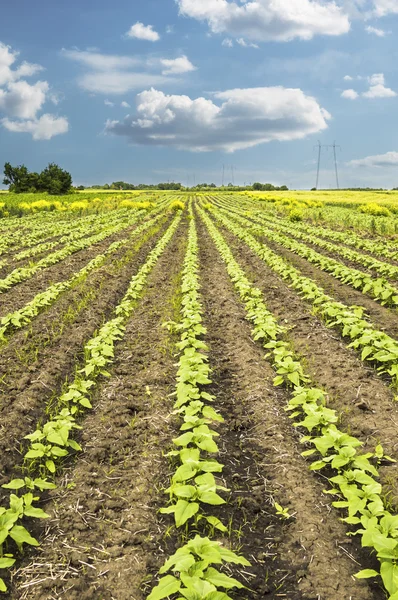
[(55, 180), (19, 179)]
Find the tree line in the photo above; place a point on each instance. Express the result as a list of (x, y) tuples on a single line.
[(52, 179)]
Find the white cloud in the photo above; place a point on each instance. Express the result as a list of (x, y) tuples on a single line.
[(350, 94), (245, 44), (109, 103), (22, 100), (125, 104), (376, 31), (385, 7), (7, 58), (177, 66), (112, 74), (348, 78), (115, 75), (101, 62), (143, 32), (170, 29), (377, 88), (390, 159), (241, 119), (264, 20), (44, 128), (227, 42)]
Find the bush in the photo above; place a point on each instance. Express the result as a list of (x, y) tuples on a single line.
[(376, 210), (296, 215), (177, 205)]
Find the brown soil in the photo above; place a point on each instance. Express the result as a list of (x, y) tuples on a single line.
[(262, 456), (104, 537), (19, 295), (35, 363), (364, 401)]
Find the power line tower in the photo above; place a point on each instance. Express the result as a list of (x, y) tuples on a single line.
[(335, 164), (319, 164), (319, 146)]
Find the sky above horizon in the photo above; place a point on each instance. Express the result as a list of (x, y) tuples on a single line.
[(184, 90)]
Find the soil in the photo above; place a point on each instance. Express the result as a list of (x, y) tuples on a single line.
[(105, 539), (364, 401), (263, 463), (104, 536), (35, 363), (20, 294)]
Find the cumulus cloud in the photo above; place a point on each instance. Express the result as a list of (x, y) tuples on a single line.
[(265, 20), (7, 59), (377, 88), (43, 128), (389, 159), (114, 74), (348, 78), (350, 94), (109, 103), (23, 101), (385, 7), (227, 42), (143, 32), (125, 104), (376, 31), (237, 119), (177, 66)]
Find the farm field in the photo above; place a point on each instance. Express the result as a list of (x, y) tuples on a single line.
[(198, 396)]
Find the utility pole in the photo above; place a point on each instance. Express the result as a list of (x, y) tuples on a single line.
[(335, 164), (334, 146), (223, 175), (233, 174), (319, 164)]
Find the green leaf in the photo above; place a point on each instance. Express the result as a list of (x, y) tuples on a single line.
[(50, 466), (366, 573), (166, 587), (3, 587), (85, 402), (184, 511), (15, 484), (20, 535), (36, 513), (216, 523), (6, 563), (389, 575), (220, 580)]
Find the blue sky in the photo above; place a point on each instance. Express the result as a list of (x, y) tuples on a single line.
[(175, 89)]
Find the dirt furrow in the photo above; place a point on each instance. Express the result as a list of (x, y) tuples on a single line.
[(35, 363), (104, 539), (19, 295), (307, 556), (364, 401)]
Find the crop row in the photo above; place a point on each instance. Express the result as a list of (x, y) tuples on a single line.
[(24, 273), (193, 487), (379, 289), (385, 248), (295, 229), (376, 346), (21, 317), (53, 441), (29, 233), (352, 475)]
